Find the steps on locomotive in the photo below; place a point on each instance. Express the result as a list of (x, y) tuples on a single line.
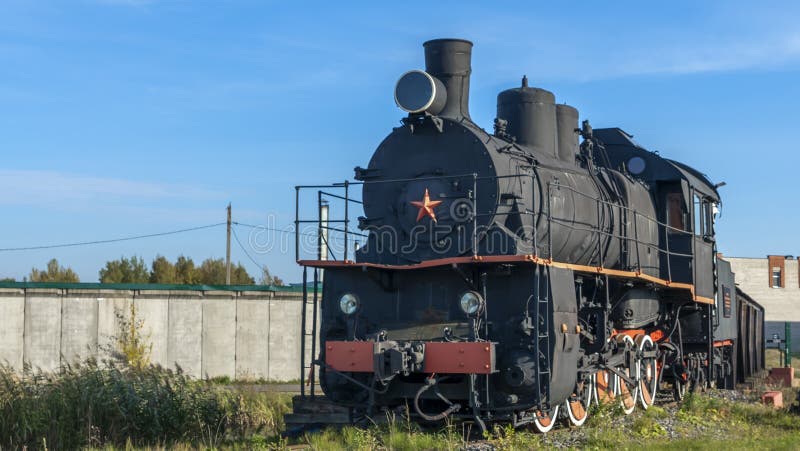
[(317, 410)]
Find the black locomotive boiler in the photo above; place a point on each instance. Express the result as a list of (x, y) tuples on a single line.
[(522, 274)]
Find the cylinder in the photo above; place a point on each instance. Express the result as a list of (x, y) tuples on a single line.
[(531, 117), (567, 123), (449, 60)]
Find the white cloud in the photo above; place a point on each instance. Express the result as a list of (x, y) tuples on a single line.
[(729, 55), (719, 42), (51, 188)]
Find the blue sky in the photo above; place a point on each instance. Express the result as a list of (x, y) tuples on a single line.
[(128, 117)]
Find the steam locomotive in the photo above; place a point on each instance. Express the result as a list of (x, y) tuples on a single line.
[(520, 275)]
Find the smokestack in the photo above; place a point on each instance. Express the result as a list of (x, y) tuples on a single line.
[(449, 60)]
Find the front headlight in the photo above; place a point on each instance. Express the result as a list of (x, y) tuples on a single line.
[(471, 303), (348, 303)]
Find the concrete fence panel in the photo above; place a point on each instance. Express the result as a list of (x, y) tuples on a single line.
[(12, 331), (284, 339), (219, 335), (252, 338), (185, 332), (113, 308), (79, 314), (42, 347), (152, 308)]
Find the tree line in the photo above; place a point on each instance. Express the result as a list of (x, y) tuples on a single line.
[(211, 271)]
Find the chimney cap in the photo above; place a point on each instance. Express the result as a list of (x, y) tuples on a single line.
[(440, 40)]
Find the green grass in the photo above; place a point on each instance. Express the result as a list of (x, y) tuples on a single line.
[(113, 406), (703, 422)]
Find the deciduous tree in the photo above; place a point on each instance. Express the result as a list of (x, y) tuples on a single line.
[(125, 270), (54, 273), (163, 271), (212, 272), (185, 271)]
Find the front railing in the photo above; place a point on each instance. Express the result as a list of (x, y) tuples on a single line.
[(325, 226)]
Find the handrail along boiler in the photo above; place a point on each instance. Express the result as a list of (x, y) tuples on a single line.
[(517, 275)]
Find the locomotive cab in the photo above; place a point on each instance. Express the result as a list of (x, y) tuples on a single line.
[(686, 203)]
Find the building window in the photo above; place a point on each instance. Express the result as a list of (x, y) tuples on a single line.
[(777, 267), (776, 277)]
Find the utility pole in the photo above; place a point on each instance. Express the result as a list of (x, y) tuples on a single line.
[(228, 250)]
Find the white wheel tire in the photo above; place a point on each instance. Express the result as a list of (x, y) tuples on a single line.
[(653, 388), (542, 428), (572, 418), (587, 403)]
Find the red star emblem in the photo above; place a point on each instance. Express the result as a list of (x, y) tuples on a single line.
[(426, 206)]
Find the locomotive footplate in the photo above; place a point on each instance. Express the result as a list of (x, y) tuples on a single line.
[(390, 358)]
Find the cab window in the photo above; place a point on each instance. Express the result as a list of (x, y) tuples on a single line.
[(675, 215), (707, 219), (698, 215)]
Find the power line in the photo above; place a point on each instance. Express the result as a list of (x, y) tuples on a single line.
[(236, 237), (113, 240), (153, 235), (273, 229)]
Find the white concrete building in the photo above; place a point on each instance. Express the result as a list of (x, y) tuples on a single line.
[(774, 282)]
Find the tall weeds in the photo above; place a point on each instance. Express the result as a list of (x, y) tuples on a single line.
[(112, 403)]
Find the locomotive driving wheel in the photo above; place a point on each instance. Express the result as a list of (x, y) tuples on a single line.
[(605, 386), (578, 404), (545, 420), (628, 392), (647, 371)]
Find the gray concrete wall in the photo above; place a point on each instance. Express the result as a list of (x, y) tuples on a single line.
[(238, 334)]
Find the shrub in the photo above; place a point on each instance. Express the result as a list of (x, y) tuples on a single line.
[(97, 404)]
